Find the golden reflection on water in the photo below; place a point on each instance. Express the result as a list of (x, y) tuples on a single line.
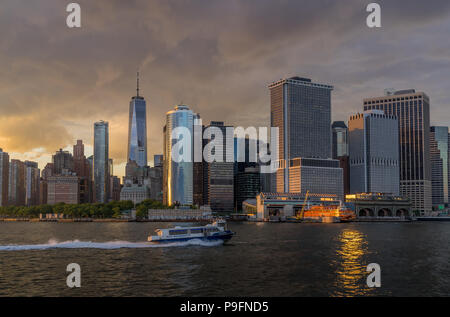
[(351, 265)]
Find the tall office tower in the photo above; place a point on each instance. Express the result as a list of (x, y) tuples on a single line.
[(412, 110), (32, 181), (439, 148), (301, 110), (62, 160), (137, 129), (101, 161), (374, 157), (4, 177), (339, 140), (16, 188), (218, 171), (46, 173), (82, 168), (178, 173)]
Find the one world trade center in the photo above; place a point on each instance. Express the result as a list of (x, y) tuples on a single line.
[(137, 129)]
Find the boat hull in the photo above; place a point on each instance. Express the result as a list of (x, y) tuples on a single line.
[(225, 236)]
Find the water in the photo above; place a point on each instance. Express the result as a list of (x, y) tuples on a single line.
[(264, 259)]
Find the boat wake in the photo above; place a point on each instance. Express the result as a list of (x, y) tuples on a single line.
[(110, 245)]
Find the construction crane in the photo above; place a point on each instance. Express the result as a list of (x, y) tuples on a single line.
[(300, 217)]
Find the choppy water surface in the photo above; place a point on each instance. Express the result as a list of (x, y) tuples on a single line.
[(262, 260)]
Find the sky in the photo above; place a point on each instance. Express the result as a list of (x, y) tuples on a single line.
[(217, 56)]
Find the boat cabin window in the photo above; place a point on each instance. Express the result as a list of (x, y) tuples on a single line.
[(178, 232), (198, 230)]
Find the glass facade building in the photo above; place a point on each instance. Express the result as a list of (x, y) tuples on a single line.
[(4, 177), (439, 151), (340, 139), (374, 158), (137, 131), (301, 110), (412, 110), (178, 176), (101, 161)]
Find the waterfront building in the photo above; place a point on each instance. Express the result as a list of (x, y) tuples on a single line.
[(247, 186), (412, 110), (318, 176), (301, 110), (62, 160), (137, 129), (439, 151), (16, 186), (32, 186), (218, 173), (178, 174), (63, 188), (339, 139), (4, 177), (374, 155), (101, 161)]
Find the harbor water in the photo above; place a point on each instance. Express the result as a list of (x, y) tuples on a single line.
[(263, 259)]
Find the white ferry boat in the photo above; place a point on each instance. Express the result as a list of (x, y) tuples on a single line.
[(215, 231)]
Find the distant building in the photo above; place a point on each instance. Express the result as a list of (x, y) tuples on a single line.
[(82, 168), (412, 110), (178, 176), (134, 192), (374, 156), (16, 188), (32, 180), (301, 110), (101, 161), (247, 186), (158, 160), (63, 189), (339, 139), (218, 175), (137, 129), (115, 188), (439, 151), (4, 177), (62, 160)]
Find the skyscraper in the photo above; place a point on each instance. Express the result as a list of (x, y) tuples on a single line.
[(374, 159), (62, 160), (32, 183), (439, 148), (137, 129), (340, 139), (412, 110), (16, 195), (301, 110), (218, 175), (82, 168), (178, 176), (101, 161), (4, 177)]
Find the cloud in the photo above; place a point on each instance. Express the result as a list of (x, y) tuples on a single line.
[(216, 56)]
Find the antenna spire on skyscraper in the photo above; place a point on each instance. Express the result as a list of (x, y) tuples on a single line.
[(137, 83)]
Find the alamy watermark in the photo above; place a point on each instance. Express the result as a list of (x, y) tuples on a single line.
[(188, 147)]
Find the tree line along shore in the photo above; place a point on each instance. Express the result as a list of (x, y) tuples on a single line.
[(111, 210)]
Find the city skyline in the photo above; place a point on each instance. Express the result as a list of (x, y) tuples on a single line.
[(89, 79)]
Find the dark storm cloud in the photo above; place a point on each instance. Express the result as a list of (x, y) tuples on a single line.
[(216, 56)]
